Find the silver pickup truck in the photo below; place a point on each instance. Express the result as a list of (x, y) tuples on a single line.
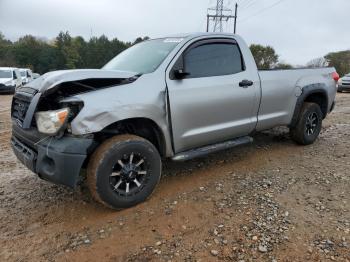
[(177, 97)]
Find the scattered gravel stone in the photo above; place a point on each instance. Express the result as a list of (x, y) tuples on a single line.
[(262, 249), (214, 252)]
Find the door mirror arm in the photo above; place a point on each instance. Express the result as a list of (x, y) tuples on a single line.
[(180, 74)]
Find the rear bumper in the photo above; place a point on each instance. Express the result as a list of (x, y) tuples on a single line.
[(58, 160)]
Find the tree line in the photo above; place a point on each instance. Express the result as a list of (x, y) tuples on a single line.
[(267, 58), (63, 52), (67, 52)]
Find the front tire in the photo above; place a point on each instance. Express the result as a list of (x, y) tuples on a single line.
[(309, 124), (123, 171)]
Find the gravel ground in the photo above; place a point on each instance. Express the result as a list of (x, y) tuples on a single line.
[(269, 201)]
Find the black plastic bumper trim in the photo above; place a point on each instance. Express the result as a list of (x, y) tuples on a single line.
[(56, 160)]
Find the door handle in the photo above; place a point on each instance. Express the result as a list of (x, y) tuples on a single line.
[(246, 83)]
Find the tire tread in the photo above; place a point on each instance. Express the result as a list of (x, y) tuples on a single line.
[(95, 162), (297, 132)]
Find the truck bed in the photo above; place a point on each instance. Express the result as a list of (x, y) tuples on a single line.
[(280, 90)]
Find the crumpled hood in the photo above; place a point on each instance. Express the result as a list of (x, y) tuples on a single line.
[(52, 79), (4, 80)]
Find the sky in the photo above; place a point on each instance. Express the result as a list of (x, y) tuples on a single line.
[(299, 30)]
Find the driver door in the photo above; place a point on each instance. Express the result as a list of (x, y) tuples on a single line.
[(208, 105)]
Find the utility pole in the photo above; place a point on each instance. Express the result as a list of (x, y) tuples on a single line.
[(220, 14), (235, 26)]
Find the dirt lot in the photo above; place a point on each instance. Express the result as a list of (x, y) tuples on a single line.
[(269, 201)]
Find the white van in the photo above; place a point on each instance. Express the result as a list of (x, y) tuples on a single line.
[(10, 79), (26, 74)]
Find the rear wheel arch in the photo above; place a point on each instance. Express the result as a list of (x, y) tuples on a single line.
[(315, 93)]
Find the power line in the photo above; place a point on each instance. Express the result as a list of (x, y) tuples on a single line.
[(262, 10), (242, 2), (246, 3), (251, 3)]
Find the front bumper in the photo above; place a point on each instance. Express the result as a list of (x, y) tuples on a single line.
[(58, 160), (4, 89)]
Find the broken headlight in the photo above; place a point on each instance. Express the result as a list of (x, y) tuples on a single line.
[(51, 122)]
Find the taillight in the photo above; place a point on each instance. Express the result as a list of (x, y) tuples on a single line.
[(335, 76)]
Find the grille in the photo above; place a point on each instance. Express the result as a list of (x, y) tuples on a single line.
[(21, 102), (19, 110)]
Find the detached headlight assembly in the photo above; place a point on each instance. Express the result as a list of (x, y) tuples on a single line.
[(51, 122)]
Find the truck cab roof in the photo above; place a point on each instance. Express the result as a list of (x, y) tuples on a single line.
[(197, 34)]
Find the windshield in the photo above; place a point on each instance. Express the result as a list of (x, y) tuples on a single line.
[(23, 73), (5, 74), (145, 57)]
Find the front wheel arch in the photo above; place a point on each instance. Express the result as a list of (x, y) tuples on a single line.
[(142, 127)]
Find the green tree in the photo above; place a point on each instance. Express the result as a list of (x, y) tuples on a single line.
[(47, 60), (265, 56), (117, 47), (27, 51), (340, 60), (68, 51), (140, 39), (318, 63), (6, 54), (99, 52), (283, 66), (80, 46)]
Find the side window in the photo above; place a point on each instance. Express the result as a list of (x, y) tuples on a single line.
[(14, 75), (214, 59)]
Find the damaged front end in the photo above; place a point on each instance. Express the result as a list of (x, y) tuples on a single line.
[(54, 91), (42, 112)]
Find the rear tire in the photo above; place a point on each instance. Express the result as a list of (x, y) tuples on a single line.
[(309, 124), (123, 171)]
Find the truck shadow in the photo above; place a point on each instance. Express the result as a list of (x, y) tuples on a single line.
[(33, 192), (172, 171), (29, 199), (262, 140)]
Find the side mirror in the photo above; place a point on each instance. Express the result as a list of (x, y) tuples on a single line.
[(180, 74)]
